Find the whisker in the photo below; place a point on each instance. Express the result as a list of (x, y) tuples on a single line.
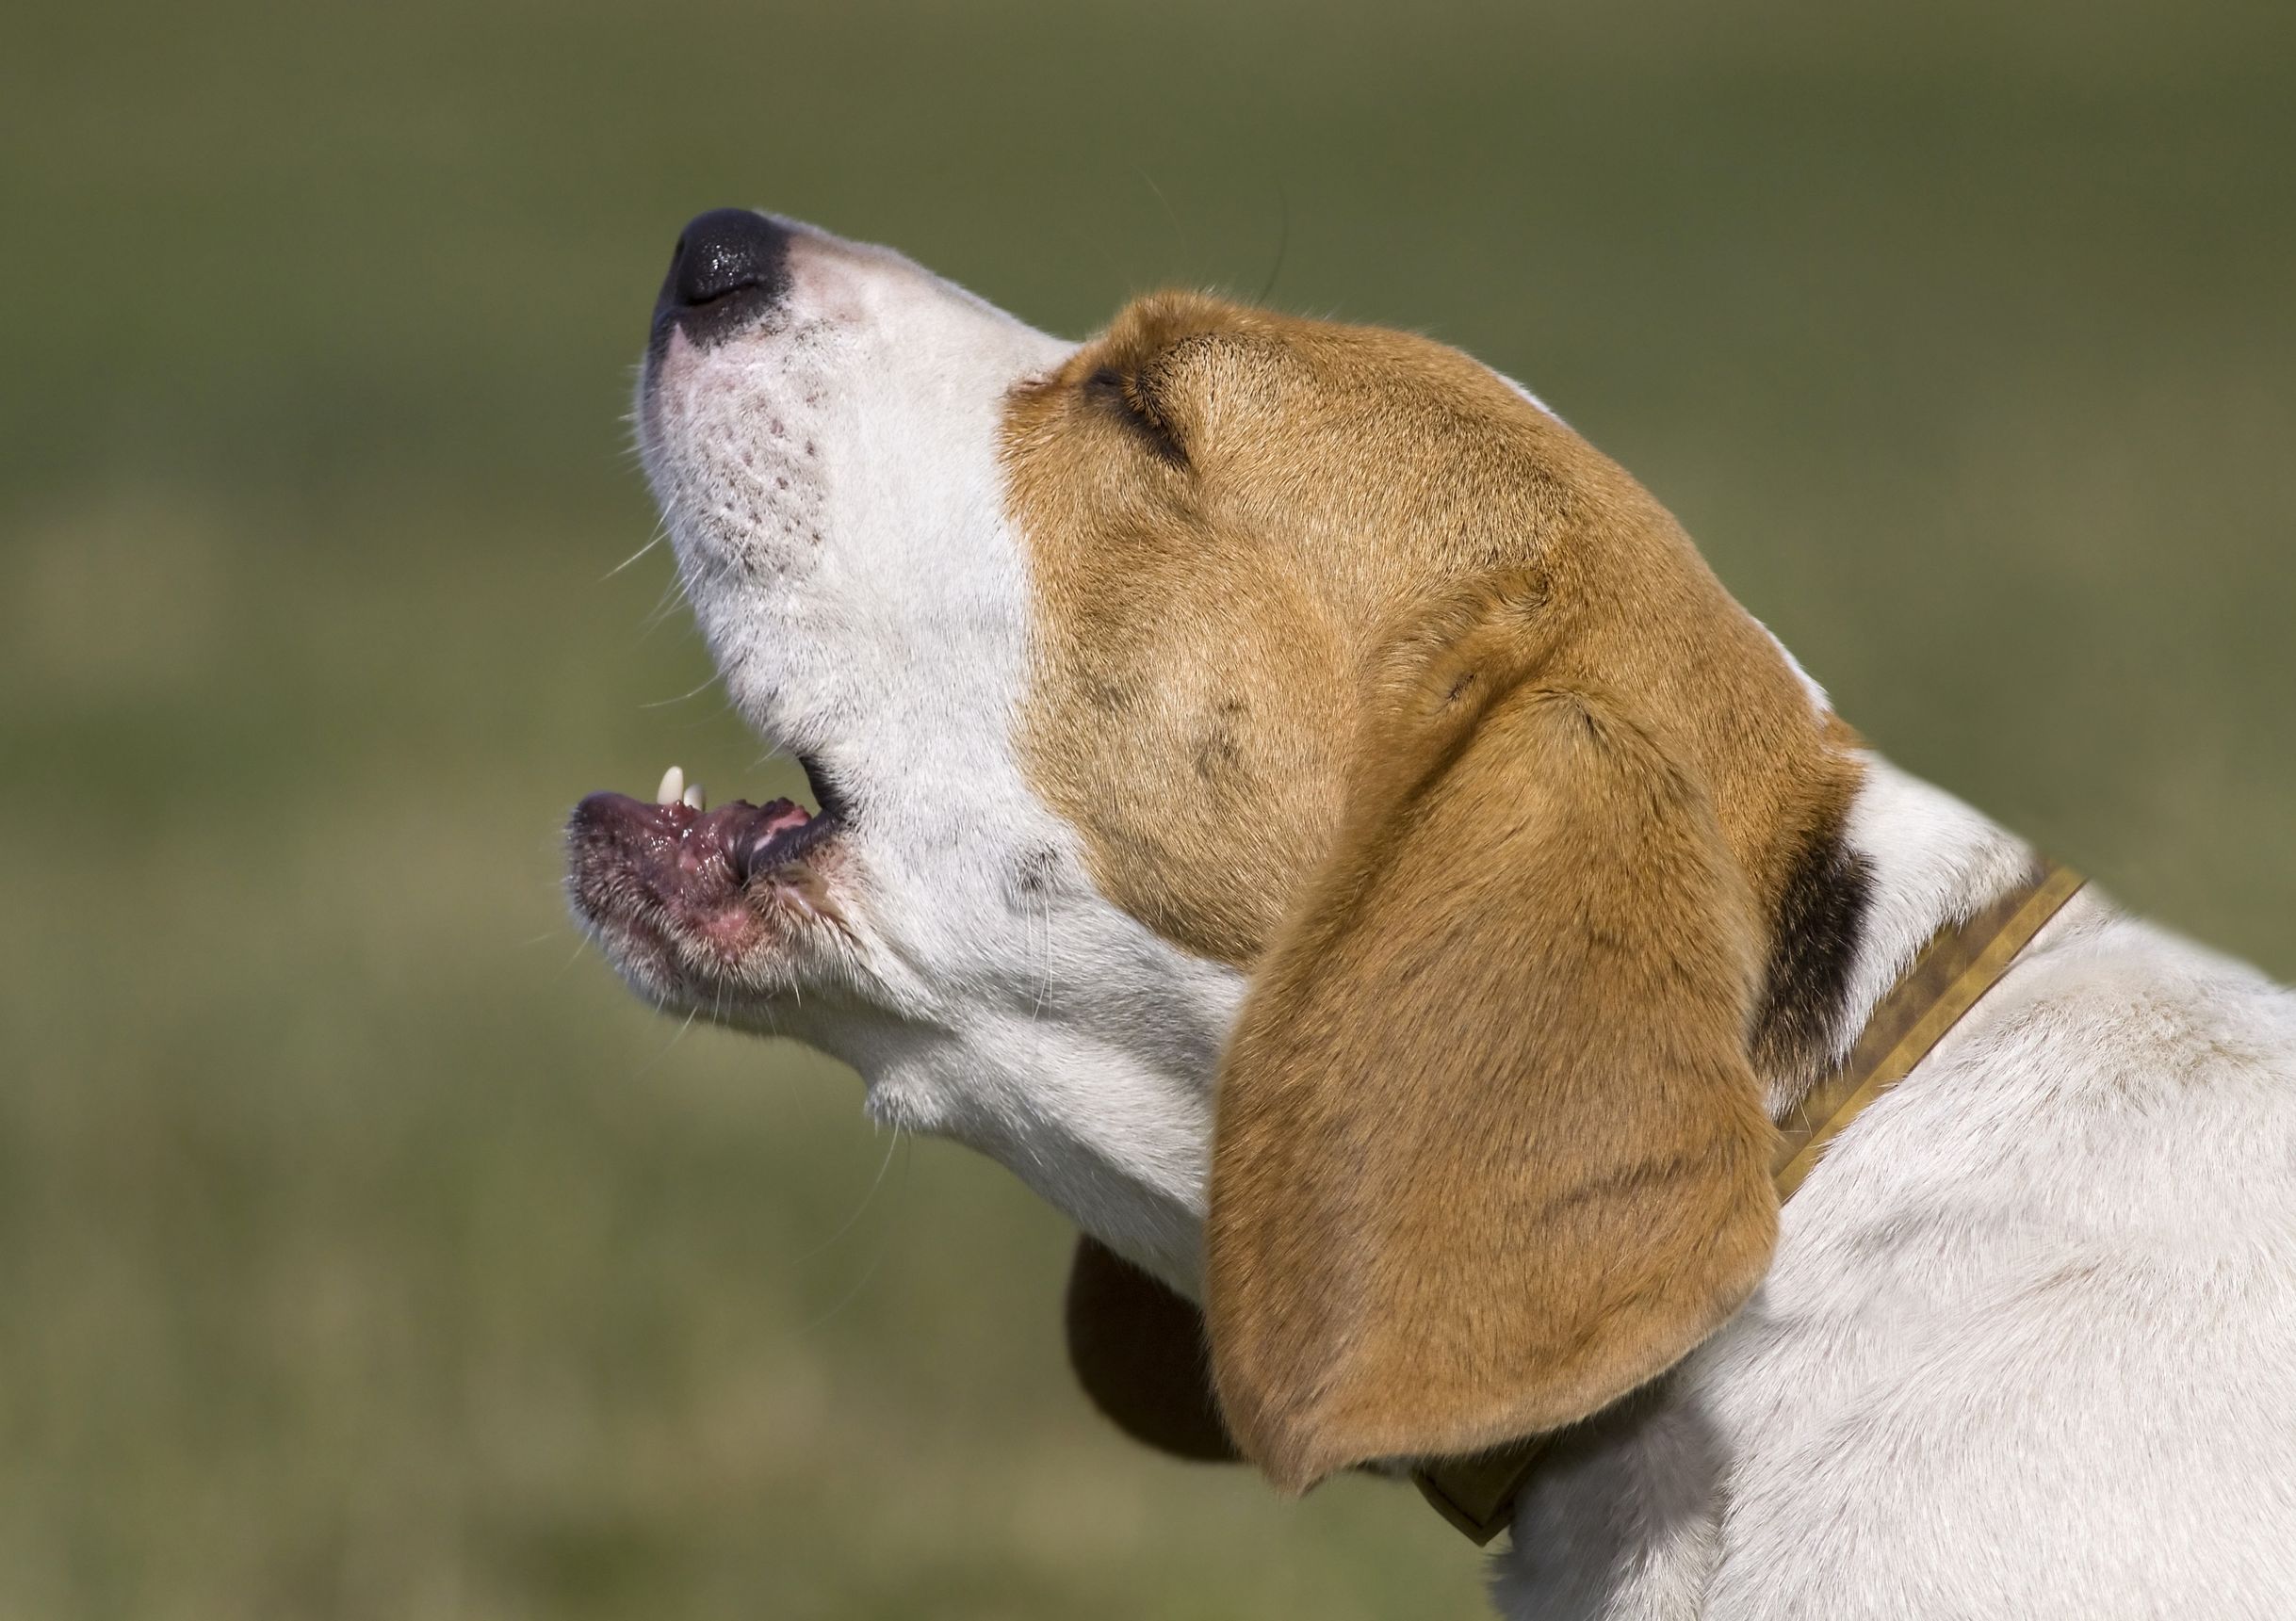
[(654, 1062), (875, 1182), (1178, 230), (885, 1244), (1044, 980), (687, 696), (671, 600), (661, 530), (1283, 240)]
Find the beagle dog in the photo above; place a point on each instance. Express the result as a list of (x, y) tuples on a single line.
[(1320, 824)]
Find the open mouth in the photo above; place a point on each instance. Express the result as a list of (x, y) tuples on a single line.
[(676, 878)]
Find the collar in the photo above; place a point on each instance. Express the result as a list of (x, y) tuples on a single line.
[(1961, 962)]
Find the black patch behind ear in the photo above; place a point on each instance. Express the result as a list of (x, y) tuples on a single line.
[(1813, 942)]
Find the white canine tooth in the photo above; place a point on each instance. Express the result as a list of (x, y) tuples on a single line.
[(694, 797), (672, 786)]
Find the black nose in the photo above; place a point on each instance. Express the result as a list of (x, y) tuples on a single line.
[(730, 266)]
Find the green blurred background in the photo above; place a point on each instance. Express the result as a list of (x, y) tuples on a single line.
[(366, 1251)]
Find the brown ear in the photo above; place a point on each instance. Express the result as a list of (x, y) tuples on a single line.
[(1139, 1351), (1489, 1152)]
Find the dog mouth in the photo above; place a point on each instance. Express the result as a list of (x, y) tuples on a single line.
[(686, 893)]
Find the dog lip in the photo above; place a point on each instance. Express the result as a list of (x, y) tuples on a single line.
[(685, 861), (786, 835), (707, 324), (823, 787)]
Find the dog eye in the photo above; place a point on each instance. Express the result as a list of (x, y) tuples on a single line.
[(1115, 391)]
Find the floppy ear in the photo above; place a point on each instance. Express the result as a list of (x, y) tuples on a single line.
[(1139, 1350), (1489, 1152)]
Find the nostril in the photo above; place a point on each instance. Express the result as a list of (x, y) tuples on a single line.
[(724, 252)]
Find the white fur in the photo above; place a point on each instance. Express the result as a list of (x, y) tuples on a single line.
[(2028, 1347), (831, 486), (1818, 701), (1529, 396)]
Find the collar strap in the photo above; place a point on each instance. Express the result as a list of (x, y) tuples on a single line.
[(1961, 962)]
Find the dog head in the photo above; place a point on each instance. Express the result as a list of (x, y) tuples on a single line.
[(1280, 790)]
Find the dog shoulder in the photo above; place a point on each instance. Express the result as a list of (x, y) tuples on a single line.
[(2038, 1322)]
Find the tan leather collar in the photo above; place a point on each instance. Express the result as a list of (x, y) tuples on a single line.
[(1959, 965)]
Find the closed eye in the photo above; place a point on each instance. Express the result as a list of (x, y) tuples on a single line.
[(1113, 390)]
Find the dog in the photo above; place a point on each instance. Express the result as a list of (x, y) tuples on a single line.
[(1289, 798)]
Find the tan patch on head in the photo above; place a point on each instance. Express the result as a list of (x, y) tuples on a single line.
[(1231, 515), (1358, 670)]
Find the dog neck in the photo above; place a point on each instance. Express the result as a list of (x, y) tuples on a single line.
[(1965, 953), (1926, 861)]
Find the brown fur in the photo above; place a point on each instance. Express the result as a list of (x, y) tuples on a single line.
[(1360, 671)]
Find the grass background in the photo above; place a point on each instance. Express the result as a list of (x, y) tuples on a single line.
[(366, 1252)]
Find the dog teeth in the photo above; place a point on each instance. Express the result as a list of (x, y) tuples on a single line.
[(693, 800), (672, 786)]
